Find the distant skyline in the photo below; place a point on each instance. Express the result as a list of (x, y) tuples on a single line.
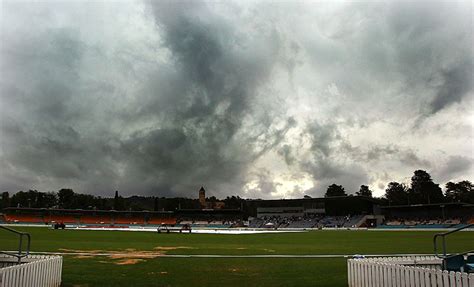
[(256, 99)]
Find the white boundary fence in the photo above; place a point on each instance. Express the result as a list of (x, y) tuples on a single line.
[(35, 271), (404, 272)]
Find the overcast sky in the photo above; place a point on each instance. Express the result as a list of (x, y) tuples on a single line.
[(261, 100)]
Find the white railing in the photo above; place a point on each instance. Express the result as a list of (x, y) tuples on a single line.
[(404, 272), (35, 271)]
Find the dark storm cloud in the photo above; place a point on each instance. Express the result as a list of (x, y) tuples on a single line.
[(425, 34), (325, 166), (327, 172), (202, 105), (405, 156), (41, 114), (195, 109), (162, 97), (414, 56), (454, 167), (456, 84), (285, 151), (214, 68)]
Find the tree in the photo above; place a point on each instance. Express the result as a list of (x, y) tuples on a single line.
[(335, 190), (25, 199), (423, 189), (49, 200), (396, 193), (212, 199), (364, 191), (66, 198), (116, 200), (119, 202), (155, 203), (5, 200), (233, 202), (462, 191), (85, 201)]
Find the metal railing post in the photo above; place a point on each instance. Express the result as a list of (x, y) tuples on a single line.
[(20, 254), (443, 238)]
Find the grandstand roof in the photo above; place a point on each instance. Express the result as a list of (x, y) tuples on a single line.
[(445, 204), (189, 211), (372, 199), (81, 210)]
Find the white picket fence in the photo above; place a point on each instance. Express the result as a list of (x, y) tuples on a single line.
[(35, 271), (404, 272)]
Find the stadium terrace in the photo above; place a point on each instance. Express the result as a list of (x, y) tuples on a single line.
[(304, 213)]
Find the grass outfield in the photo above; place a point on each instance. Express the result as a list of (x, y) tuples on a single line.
[(135, 260)]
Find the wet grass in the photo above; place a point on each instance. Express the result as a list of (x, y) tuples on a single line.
[(163, 271)]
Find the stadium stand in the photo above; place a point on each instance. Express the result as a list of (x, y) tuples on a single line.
[(303, 223), (160, 221), (423, 223), (209, 218), (256, 223), (87, 217), (445, 215), (101, 219), (353, 221), (124, 219), (60, 218), (333, 221), (23, 218), (309, 221), (207, 224), (300, 214)]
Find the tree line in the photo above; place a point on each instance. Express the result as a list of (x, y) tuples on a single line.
[(68, 199), (421, 190), (65, 198)]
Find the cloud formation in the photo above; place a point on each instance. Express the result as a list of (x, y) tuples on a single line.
[(254, 99)]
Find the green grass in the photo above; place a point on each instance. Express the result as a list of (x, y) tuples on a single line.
[(163, 271), (207, 272)]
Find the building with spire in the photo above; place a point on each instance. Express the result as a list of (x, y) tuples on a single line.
[(202, 198), (204, 204)]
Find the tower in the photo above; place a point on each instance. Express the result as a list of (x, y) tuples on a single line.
[(202, 197)]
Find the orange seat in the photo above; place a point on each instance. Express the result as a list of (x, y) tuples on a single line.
[(157, 221), (89, 219), (62, 218), (129, 220), (23, 218)]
